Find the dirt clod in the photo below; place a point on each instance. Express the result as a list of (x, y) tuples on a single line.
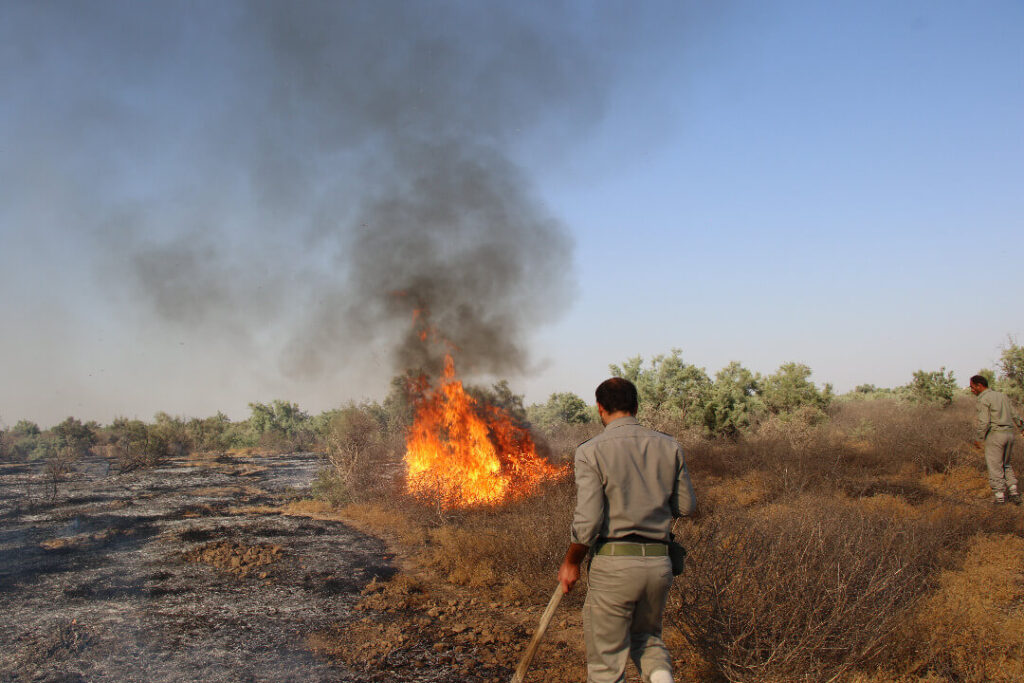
[(238, 558)]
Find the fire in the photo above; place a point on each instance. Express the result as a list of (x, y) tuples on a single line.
[(462, 454)]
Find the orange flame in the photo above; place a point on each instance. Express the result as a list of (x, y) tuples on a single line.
[(461, 454)]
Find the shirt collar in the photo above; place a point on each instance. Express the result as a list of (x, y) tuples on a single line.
[(620, 421)]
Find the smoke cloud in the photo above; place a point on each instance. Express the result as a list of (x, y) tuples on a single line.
[(295, 180), (445, 224)]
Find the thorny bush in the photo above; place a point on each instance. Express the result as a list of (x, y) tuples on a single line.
[(804, 591)]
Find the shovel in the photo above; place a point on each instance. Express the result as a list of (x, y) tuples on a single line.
[(531, 649)]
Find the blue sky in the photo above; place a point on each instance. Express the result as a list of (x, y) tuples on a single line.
[(837, 184)]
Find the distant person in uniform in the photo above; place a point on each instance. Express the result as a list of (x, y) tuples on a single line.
[(631, 482), (996, 426)]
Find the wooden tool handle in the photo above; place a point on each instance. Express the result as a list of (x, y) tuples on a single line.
[(531, 649)]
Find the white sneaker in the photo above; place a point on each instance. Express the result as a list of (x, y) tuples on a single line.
[(661, 676)]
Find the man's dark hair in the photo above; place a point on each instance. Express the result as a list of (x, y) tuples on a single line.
[(617, 394), (980, 379)]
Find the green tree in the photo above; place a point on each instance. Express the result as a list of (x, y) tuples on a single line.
[(280, 417), (210, 433), (560, 408), (22, 439), (668, 384), (867, 392), (937, 386), (500, 395), (25, 428), (168, 435), (734, 402), (130, 444), (1011, 370), (73, 437), (398, 404), (790, 388)]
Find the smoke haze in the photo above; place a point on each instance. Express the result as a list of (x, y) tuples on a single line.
[(372, 139), (293, 180)]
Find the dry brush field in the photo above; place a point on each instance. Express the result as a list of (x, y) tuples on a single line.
[(860, 548)]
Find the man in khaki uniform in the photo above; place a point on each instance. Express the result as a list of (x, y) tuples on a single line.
[(631, 482), (996, 425)]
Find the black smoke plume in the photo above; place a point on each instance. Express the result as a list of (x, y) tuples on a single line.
[(345, 164)]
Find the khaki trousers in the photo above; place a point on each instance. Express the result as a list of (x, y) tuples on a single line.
[(998, 448), (622, 616)]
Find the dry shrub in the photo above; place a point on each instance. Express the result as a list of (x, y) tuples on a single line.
[(804, 591), (666, 419), (364, 459), (744, 491), (821, 542), (558, 444), (971, 626), (867, 447), (784, 465), (394, 519), (931, 437), (515, 547), (962, 482)]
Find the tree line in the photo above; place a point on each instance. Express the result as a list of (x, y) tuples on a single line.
[(674, 394)]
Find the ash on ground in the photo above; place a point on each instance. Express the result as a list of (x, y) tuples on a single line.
[(183, 572)]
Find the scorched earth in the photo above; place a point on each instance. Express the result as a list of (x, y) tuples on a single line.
[(203, 569)]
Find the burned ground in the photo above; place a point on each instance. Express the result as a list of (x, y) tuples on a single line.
[(190, 571)]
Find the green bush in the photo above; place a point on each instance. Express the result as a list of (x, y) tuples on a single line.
[(564, 408), (500, 395), (669, 384), (1011, 369), (209, 434), (790, 388), (169, 436), (734, 402), (938, 386), (867, 392), (675, 395), (134, 444), (74, 437), (281, 426), (21, 440)]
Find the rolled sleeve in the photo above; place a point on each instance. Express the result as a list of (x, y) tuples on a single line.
[(590, 503)]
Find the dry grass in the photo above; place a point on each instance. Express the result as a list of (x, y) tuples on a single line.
[(971, 626), (510, 550), (806, 590), (859, 548)]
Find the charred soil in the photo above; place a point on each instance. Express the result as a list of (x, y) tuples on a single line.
[(212, 568)]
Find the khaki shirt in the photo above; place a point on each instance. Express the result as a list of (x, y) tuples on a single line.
[(994, 414), (629, 480)]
